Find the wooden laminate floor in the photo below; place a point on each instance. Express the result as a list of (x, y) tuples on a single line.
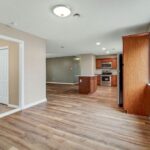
[(70, 121)]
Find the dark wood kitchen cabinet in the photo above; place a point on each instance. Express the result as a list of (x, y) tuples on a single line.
[(114, 80), (98, 80), (99, 61), (114, 63), (87, 84)]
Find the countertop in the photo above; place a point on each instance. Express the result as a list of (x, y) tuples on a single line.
[(107, 75), (99, 72), (86, 75)]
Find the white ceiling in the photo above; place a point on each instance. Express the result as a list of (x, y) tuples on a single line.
[(102, 21)]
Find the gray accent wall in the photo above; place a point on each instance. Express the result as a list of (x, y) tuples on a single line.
[(63, 69)]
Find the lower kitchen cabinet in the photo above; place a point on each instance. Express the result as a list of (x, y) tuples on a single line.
[(87, 84), (114, 80), (98, 80)]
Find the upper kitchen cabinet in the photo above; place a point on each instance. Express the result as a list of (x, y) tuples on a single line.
[(114, 63), (98, 63), (110, 62)]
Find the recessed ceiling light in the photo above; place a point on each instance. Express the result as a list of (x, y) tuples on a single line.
[(98, 43), (61, 11), (77, 58), (76, 15), (103, 48)]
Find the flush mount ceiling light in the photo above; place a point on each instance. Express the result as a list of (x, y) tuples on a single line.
[(61, 11)]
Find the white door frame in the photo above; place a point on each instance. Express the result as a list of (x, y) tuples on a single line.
[(6, 49), (21, 69)]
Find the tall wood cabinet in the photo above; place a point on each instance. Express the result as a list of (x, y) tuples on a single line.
[(136, 55)]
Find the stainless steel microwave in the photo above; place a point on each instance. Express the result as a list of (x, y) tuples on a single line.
[(106, 65)]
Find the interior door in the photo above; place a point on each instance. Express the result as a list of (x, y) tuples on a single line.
[(4, 76)]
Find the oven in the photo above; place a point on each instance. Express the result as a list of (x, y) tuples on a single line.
[(106, 65), (106, 80)]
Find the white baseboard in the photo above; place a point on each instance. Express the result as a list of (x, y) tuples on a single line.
[(9, 112), (62, 83), (12, 106), (19, 109), (34, 103)]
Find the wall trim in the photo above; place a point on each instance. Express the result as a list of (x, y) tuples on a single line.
[(62, 83), (19, 109), (12, 106), (6, 49), (3, 47), (10, 112), (34, 103)]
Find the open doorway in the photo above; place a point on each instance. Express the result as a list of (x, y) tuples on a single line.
[(11, 75)]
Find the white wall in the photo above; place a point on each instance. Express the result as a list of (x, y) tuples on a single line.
[(35, 63), (87, 64)]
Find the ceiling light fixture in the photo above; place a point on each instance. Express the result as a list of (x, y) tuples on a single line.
[(76, 15), (98, 43), (77, 58), (103, 48), (61, 11)]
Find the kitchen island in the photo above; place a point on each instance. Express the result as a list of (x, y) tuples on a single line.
[(87, 84)]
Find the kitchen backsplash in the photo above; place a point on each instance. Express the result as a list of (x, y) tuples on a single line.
[(99, 71)]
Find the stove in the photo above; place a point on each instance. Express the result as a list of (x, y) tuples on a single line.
[(106, 78)]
